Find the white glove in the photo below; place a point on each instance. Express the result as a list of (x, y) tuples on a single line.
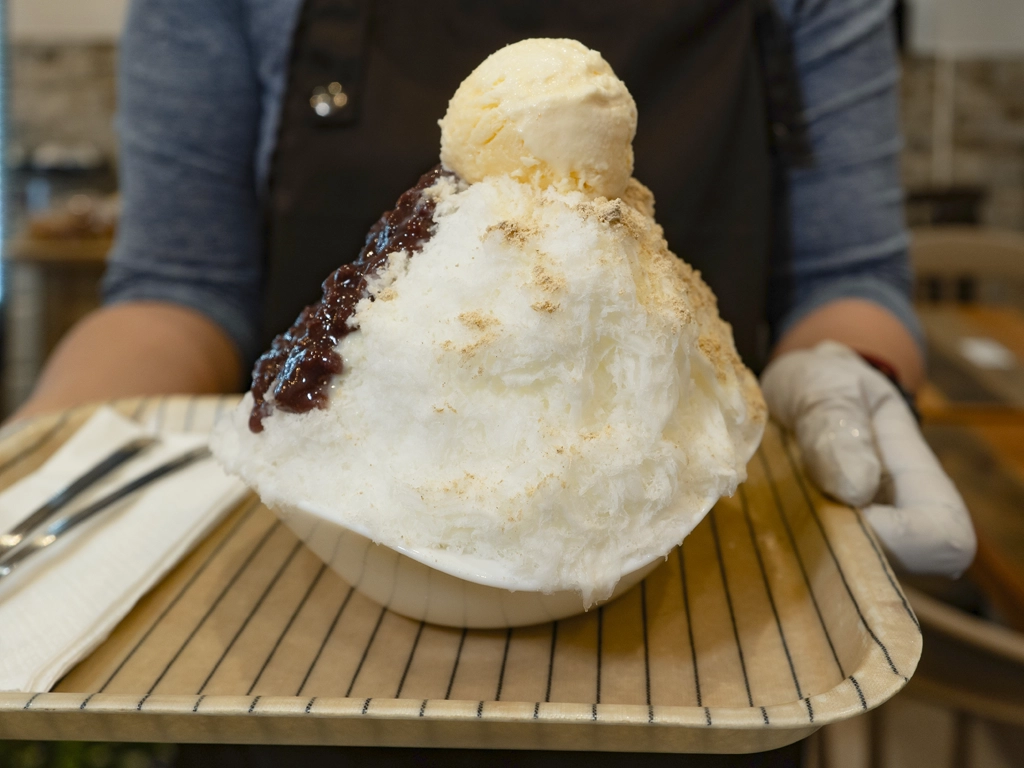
[(852, 426)]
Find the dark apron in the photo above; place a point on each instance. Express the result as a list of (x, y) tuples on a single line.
[(702, 143)]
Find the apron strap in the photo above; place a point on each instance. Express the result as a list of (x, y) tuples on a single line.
[(788, 135)]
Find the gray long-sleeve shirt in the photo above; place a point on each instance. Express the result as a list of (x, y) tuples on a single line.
[(200, 92)]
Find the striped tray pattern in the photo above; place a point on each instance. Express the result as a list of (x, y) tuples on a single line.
[(777, 615)]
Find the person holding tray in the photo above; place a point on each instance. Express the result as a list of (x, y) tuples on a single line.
[(260, 140)]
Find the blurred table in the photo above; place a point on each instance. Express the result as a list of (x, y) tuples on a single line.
[(967, 388), (973, 413), (86, 251)]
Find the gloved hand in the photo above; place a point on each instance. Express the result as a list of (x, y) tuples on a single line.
[(861, 444)]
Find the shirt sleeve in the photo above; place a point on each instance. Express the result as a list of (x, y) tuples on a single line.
[(846, 230), (188, 123)]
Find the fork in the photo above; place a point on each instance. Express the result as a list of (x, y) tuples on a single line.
[(18, 554), (59, 500)]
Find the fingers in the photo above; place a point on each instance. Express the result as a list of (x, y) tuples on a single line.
[(836, 443), (933, 540), (818, 395), (928, 528), (850, 422)]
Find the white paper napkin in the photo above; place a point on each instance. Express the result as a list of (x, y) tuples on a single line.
[(61, 603)]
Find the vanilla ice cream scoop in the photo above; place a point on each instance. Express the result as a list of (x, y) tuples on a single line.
[(517, 370), (547, 112)]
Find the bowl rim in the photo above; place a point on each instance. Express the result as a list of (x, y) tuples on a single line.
[(489, 573)]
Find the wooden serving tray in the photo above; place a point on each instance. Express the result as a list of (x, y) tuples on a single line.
[(777, 615)]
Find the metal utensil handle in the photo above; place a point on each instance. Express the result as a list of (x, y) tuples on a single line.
[(60, 499), (11, 560)]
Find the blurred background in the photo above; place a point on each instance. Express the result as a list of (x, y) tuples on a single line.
[(963, 168), (61, 155)]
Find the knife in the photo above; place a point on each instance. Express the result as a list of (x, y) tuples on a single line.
[(19, 553), (59, 500)]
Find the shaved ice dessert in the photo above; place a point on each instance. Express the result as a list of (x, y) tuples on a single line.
[(516, 369)]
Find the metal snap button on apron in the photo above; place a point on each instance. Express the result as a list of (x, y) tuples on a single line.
[(325, 101)]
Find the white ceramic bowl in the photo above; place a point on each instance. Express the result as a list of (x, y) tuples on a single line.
[(457, 591)]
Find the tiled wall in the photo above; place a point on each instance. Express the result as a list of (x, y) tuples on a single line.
[(62, 93), (964, 125)]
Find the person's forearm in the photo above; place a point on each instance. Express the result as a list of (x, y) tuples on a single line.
[(136, 348), (865, 327)]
